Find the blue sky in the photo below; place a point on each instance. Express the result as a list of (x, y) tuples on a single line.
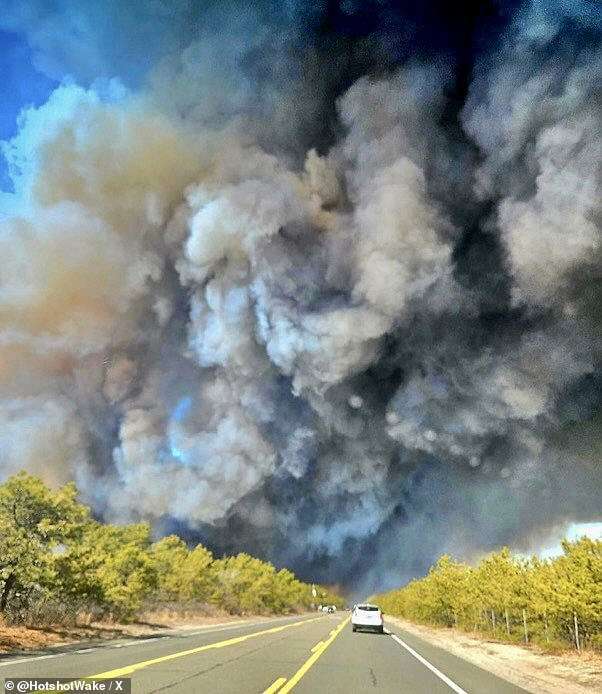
[(575, 531), (23, 86)]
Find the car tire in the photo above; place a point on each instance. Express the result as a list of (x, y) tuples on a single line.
[(353, 627), (381, 630)]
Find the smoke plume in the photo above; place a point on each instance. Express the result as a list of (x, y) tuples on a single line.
[(318, 281)]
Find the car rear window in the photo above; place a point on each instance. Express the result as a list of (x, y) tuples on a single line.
[(367, 608)]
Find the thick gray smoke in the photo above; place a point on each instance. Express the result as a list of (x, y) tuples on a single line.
[(377, 349)]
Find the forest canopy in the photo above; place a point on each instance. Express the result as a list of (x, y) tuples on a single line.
[(552, 602), (53, 554)]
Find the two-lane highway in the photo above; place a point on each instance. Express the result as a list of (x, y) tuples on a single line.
[(309, 654)]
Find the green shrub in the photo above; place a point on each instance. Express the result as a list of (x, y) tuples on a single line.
[(502, 592)]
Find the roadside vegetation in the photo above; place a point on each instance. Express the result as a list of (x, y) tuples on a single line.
[(58, 564), (555, 603)]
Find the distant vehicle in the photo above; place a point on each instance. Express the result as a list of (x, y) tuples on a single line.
[(367, 617), (331, 608)]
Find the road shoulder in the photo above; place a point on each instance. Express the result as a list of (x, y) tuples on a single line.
[(22, 640), (535, 672)]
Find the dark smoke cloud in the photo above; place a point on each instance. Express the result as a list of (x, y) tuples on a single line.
[(318, 281)]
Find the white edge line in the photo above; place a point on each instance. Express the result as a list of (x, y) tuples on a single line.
[(130, 643), (28, 660), (230, 625), (184, 630), (432, 668), (150, 638), (208, 630)]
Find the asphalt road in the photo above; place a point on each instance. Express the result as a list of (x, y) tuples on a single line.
[(310, 655)]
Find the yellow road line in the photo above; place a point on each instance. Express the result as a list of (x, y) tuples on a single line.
[(276, 686), (129, 669), (323, 645)]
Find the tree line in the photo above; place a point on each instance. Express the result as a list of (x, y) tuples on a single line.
[(57, 561), (554, 602)]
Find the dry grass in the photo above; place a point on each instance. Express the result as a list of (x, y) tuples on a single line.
[(171, 614), (28, 637), (87, 626)]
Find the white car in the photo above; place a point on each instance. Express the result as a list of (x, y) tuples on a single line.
[(367, 617)]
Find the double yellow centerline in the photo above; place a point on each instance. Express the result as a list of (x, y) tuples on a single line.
[(130, 669), (282, 686)]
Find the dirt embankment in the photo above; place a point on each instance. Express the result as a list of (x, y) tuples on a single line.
[(23, 638), (568, 673)]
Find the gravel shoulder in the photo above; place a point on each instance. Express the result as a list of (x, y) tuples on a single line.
[(537, 672)]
